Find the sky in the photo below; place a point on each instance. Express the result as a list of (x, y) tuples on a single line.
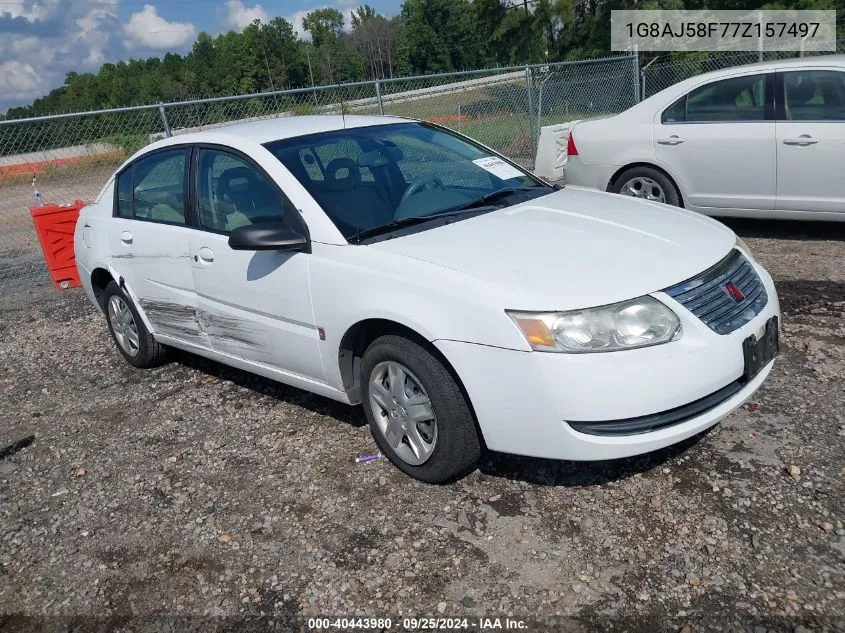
[(42, 40)]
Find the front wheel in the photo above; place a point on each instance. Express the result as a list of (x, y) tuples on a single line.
[(647, 183), (418, 414), (131, 336)]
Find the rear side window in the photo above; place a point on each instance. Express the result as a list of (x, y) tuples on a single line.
[(814, 95), (728, 100), (159, 187), (123, 207), (675, 113)]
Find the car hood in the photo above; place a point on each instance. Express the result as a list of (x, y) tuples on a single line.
[(573, 249)]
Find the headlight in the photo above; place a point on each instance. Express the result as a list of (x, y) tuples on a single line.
[(742, 245), (636, 323)]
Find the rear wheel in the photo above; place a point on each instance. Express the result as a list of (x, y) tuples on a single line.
[(131, 336), (418, 414), (647, 183)]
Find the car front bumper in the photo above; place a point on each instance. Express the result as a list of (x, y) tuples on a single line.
[(523, 400)]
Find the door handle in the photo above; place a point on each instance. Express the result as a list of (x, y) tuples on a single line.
[(206, 254), (672, 140), (804, 139), (126, 237)]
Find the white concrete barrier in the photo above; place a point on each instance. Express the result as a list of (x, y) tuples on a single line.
[(551, 150)]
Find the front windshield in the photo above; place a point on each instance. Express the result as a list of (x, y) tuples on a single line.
[(370, 177)]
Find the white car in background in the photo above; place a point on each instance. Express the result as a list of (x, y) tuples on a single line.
[(461, 300), (764, 141)]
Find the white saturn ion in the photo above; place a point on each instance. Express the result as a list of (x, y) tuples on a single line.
[(764, 141), (460, 299)]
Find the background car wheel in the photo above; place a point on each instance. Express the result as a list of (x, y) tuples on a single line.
[(418, 414), (130, 334), (648, 184)]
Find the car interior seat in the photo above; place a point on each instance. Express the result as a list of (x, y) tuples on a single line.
[(357, 204)]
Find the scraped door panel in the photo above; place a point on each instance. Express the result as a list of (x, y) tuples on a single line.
[(149, 244), (256, 306)]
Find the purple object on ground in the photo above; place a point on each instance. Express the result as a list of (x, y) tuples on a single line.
[(367, 458)]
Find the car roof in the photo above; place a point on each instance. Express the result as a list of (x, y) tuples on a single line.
[(815, 60), (278, 128), (659, 99)]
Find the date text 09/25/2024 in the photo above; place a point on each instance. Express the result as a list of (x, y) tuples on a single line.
[(419, 624)]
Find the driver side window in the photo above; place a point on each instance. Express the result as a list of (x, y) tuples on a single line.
[(231, 193)]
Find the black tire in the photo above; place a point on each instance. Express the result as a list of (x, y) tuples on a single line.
[(669, 190), (457, 447), (149, 353)]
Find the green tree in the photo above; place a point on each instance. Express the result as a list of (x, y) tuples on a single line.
[(324, 25), (438, 36)]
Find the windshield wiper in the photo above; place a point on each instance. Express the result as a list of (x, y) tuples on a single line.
[(469, 207), (403, 222), (493, 196)]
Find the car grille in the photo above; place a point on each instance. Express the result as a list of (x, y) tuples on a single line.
[(708, 295)]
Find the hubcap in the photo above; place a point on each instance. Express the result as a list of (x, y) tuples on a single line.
[(123, 325), (403, 412), (645, 188)]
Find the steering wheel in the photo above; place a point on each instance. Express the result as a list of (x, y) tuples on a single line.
[(420, 184)]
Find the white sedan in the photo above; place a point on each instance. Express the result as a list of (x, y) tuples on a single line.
[(463, 301), (764, 141)]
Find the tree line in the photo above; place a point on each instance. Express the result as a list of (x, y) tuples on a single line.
[(427, 36)]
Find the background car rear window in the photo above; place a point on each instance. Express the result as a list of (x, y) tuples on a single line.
[(815, 95), (159, 187), (232, 193), (734, 99), (675, 113)]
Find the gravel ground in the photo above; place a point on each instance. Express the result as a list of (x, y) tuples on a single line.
[(199, 497)]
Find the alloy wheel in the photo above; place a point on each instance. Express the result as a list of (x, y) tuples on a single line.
[(645, 188)]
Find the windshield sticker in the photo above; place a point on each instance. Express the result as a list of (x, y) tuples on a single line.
[(498, 167)]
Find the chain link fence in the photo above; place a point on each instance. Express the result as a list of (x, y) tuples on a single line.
[(71, 156), (662, 72)]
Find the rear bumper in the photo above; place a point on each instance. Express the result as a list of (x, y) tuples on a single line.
[(523, 400), (579, 174)]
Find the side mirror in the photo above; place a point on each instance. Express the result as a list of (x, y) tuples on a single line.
[(269, 236)]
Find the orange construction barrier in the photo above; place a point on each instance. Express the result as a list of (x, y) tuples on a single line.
[(54, 225)]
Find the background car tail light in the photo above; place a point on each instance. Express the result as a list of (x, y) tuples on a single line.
[(571, 150)]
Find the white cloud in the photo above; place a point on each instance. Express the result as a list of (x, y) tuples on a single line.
[(296, 20), (347, 18), (31, 11), (18, 79), (239, 16), (148, 30), (95, 35), (62, 37)]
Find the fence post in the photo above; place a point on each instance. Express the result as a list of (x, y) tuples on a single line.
[(530, 109), (636, 61), (642, 85), (164, 121), (378, 98)]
